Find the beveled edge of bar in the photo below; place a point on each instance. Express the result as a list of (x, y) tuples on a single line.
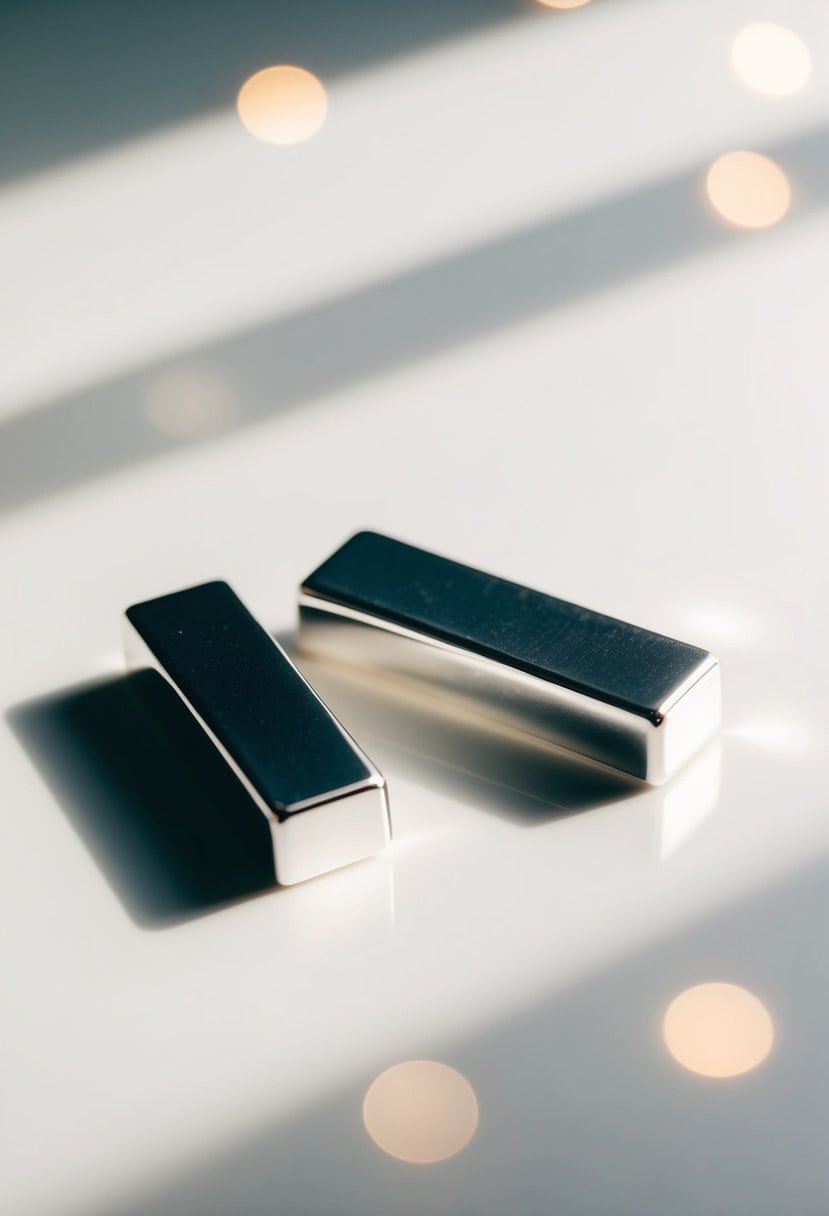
[(357, 832), (353, 603), (375, 781), (139, 655), (613, 715), (658, 766), (688, 719)]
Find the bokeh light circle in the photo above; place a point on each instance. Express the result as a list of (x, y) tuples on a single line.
[(749, 189), (718, 1030), (191, 402), (282, 104), (771, 59), (421, 1111)]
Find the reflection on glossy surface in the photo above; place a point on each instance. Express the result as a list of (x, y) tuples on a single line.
[(282, 105), (749, 189), (689, 799), (190, 403), (352, 910), (718, 1030), (723, 624), (514, 775), (565, 674), (771, 59), (784, 735), (564, 3), (421, 1111)]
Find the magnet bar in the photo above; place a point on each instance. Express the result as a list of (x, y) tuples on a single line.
[(612, 692), (325, 801)]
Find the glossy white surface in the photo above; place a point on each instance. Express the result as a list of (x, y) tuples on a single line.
[(613, 396)]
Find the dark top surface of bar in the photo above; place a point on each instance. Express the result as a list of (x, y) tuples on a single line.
[(248, 694), (620, 664)]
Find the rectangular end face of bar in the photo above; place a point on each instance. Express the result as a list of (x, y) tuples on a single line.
[(610, 691), (692, 719), (329, 835), (281, 741)]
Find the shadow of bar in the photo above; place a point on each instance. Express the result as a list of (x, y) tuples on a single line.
[(171, 828), (480, 763), (287, 363)]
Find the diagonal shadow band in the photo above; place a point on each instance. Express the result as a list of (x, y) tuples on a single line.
[(579, 1097), (283, 364), (200, 54)]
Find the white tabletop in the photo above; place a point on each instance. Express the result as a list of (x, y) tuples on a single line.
[(487, 309)]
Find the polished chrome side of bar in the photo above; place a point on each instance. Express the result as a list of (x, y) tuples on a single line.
[(334, 825), (649, 745)]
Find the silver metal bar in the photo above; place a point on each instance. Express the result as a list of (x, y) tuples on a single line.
[(615, 693), (325, 801)]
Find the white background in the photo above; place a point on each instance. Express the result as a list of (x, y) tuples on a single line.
[(489, 310)]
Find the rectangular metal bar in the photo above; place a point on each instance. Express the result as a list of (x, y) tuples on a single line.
[(624, 696), (325, 801)]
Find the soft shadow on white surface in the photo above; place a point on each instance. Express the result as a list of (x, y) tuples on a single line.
[(515, 777), (582, 1109), (171, 828), (278, 367), (159, 66), (177, 836)]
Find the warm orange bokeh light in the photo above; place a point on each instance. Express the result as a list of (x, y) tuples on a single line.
[(282, 105), (748, 189), (564, 3), (718, 1030), (421, 1111), (190, 402), (771, 59)]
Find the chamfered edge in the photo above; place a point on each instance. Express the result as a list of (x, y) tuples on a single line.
[(139, 654), (686, 721)]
